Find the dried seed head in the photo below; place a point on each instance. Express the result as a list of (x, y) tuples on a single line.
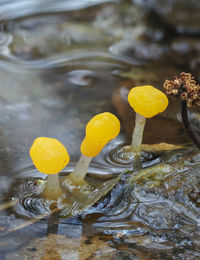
[(184, 87)]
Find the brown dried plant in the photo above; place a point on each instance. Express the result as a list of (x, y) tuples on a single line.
[(184, 87)]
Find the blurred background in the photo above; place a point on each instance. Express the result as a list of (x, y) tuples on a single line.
[(61, 62)]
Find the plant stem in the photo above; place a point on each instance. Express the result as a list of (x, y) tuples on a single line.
[(81, 168), (8, 204), (187, 125), (138, 133), (52, 189)]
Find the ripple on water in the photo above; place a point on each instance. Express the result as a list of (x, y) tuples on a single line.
[(27, 190), (19, 9), (80, 77), (109, 164), (159, 218), (30, 204), (114, 157), (131, 213), (5, 40), (31, 213)]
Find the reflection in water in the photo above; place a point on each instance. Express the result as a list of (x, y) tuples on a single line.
[(8, 8), (60, 63)]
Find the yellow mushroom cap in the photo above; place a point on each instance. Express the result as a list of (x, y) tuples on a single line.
[(147, 100), (49, 155), (99, 131)]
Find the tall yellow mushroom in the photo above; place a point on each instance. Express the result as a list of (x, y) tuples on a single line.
[(99, 131), (49, 156), (147, 102)]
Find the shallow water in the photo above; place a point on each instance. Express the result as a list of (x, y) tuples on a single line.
[(63, 62)]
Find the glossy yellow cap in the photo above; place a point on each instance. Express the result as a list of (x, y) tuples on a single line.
[(49, 155), (147, 100), (99, 131)]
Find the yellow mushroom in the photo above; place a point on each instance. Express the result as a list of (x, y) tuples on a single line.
[(147, 102), (49, 156), (99, 131)]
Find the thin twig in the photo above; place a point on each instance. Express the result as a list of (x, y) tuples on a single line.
[(31, 221), (8, 204), (187, 125)]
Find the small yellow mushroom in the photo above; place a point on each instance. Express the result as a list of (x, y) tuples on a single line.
[(49, 156), (99, 131), (147, 102)]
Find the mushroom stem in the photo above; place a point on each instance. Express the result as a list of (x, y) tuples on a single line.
[(52, 189), (136, 145), (187, 125), (81, 168)]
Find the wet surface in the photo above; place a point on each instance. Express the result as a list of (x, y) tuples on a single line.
[(64, 62)]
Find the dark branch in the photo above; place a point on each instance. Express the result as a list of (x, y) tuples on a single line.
[(187, 125)]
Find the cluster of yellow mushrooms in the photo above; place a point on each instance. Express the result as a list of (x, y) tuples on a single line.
[(49, 156)]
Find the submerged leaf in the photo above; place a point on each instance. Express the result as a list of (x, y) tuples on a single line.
[(161, 147), (88, 199)]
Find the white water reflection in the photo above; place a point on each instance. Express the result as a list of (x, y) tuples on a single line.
[(25, 8)]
